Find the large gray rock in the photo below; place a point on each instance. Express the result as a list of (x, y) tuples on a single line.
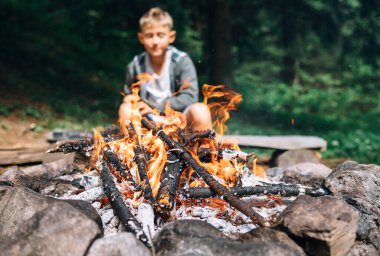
[(306, 173), (122, 244), (42, 178), (194, 237), (32, 224), (322, 226), (359, 185)]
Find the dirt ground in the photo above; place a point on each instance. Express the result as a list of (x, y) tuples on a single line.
[(16, 132)]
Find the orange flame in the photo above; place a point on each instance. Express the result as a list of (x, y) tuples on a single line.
[(220, 110)]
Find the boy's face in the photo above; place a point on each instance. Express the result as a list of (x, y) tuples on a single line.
[(156, 38)]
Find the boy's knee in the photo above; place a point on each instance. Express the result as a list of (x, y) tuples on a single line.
[(198, 109), (199, 116)]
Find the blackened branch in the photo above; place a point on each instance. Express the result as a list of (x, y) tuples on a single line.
[(68, 146), (141, 162), (121, 210), (169, 182), (116, 163), (276, 189)]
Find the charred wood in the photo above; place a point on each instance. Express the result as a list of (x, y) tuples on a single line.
[(116, 164), (170, 181), (282, 190), (207, 134), (80, 145), (68, 146), (182, 136), (141, 161), (222, 191), (121, 210)]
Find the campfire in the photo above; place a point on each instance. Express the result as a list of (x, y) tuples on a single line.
[(156, 165)]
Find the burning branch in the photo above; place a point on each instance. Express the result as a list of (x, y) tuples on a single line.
[(115, 162), (140, 159), (68, 146), (121, 210), (169, 183), (222, 191), (277, 189)]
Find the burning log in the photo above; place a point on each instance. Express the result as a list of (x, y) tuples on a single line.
[(169, 183), (121, 210), (222, 191), (80, 145), (140, 159), (210, 134), (282, 190), (186, 139), (115, 162), (68, 146)]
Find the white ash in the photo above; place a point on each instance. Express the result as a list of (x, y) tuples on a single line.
[(107, 215), (96, 205), (115, 221), (89, 181), (145, 216), (90, 195)]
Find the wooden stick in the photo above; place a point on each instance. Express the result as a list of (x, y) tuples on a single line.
[(80, 145), (222, 191), (115, 162), (276, 189), (68, 146), (169, 182), (121, 210), (201, 135), (141, 162)]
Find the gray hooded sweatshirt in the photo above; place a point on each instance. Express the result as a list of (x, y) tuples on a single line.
[(182, 71)]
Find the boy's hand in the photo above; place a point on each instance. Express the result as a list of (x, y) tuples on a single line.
[(144, 108)]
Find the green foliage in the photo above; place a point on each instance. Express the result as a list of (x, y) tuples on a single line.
[(6, 109)]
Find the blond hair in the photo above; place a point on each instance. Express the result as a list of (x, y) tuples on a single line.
[(156, 15)]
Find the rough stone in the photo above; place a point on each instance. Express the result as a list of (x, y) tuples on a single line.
[(292, 157), (87, 209), (121, 244), (34, 224), (322, 226), (270, 235), (359, 185), (194, 237), (309, 174), (41, 178)]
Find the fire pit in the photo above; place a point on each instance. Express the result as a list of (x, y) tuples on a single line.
[(176, 173), (179, 191)]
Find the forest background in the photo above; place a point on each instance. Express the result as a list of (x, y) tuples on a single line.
[(307, 67)]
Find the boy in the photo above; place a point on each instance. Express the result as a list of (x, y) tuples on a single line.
[(170, 68)]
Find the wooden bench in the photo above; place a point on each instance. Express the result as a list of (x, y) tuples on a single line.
[(291, 142)]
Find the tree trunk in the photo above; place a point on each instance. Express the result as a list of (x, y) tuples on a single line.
[(219, 42), (290, 41)]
